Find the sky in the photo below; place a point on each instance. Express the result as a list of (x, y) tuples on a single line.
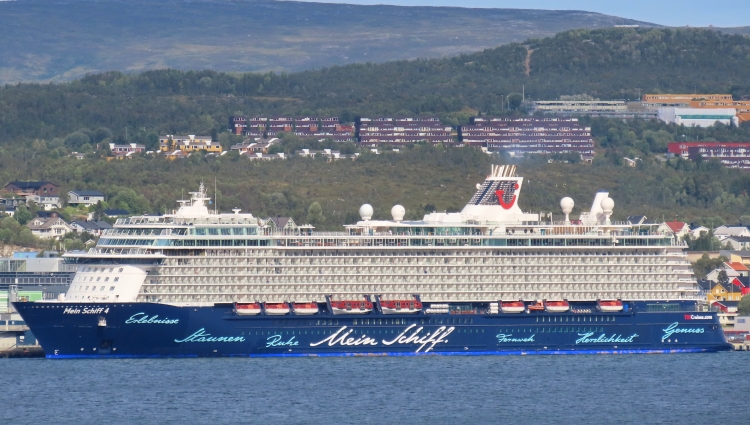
[(696, 13)]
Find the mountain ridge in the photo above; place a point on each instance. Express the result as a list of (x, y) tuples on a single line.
[(80, 37)]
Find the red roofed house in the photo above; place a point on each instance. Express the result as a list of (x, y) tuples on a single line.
[(676, 228), (740, 268)]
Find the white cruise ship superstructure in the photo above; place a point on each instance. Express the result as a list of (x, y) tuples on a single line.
[(214, 272)]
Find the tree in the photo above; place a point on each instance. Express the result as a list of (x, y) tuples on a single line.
[(705, 264), (152, 142), (23, 215), (705, 242), (102, 133), (743, 308), (77, 140), (514, 100), (722, 279), (275, 148), (127, 199), (98, 210), (315, 214)]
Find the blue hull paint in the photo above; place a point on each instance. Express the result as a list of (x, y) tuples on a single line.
[(146, 330)]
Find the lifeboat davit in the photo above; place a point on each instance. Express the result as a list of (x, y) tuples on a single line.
[(512, 306), (351, 307), (557, 306), (609, 306), (305, 308), (277, 308), (247, 309), (400, 306)]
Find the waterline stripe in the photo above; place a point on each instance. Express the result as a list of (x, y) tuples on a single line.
[(387, 354)]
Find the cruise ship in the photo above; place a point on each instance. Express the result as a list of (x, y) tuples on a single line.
[(490, 279)]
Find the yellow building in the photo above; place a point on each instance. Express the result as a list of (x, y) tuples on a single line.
[(720, 293), (683, 100), (188, 144)]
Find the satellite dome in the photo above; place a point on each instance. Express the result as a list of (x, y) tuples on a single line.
[(365, 211), (567, 204), (608, 204), (398, 212)]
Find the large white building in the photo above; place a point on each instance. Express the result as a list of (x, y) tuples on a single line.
[(698, 117)]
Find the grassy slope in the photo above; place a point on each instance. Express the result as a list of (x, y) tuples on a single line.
[(85, 36)]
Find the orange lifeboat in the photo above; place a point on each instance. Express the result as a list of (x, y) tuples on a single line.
[(512, 306), (557, 306), (400, 306), (609, 306), (247, 309), (277, 309), (351, 307), (537, 306), (305, 308)]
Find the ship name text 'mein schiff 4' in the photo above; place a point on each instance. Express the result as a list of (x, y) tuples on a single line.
[(490, 279)]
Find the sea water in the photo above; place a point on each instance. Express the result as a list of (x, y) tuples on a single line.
[(580, 389)]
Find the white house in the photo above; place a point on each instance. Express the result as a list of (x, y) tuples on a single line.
[(675, 228), (46, 202), (48, 228), (84, 197), (723, 232), (697, 231), (738, 243)]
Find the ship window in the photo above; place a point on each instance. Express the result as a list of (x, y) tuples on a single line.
[(119, 271), (117, 279), (98, 279), (101, 289), (111, 288), (87, 288), (106, 279)]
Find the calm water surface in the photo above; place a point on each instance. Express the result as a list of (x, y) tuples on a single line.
[(636, 389)]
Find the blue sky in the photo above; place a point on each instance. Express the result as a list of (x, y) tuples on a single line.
[(720, 13)]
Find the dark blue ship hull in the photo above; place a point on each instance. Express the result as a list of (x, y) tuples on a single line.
[(70, 330)]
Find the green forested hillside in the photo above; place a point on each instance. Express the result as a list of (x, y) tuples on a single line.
[(608, 64), (40, 124)]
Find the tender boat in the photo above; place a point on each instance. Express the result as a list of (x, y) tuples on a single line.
[(609, 305), (512, 306), (400, 306), (277, 308), (305, 308), (247, 309), (556, 306), (351, 307)]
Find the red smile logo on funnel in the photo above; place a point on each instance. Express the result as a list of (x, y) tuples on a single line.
[(501, 193)]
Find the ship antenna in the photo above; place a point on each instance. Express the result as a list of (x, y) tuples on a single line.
[(216, 199)]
